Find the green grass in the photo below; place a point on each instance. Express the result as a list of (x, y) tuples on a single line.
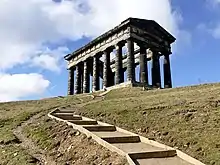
[(187, 118), (11, 155), (41, 134), (13, 114)]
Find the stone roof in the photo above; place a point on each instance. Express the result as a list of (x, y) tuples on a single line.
[(142, 23)]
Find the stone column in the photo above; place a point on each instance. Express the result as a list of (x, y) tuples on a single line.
[(143, 66), (78, 80), (95, 81), (156, 77), (118, 64), (71, 82), (167, 72), (85, 78), (158, 72), (130, 61), (106, 68)]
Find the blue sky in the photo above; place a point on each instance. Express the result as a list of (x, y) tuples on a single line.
[(33, 67), (198, 62)]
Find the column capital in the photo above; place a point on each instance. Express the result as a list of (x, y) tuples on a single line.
[(120, 44), (109, 49), (71, 68), (140, 44), (167, 53), (129, 39), (143, 50), (98, 55), (155, 55)]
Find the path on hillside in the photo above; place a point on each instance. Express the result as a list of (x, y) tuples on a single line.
[(35, 151), (30, 146), (138, 150)]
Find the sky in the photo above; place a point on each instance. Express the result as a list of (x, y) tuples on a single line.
[(35, 35)]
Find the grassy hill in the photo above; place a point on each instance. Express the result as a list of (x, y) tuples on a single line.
[(186, 118)]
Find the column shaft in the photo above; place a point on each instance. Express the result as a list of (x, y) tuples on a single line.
[(106, 68), (95, 82), (143, 66), (78, 80), (71, 82), (85, 78), (167, 72), (158, 73), (130, 61), (156, 77), (118, 65)]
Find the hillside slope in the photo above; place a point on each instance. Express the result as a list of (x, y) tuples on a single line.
[(28, 136), (187, 118)]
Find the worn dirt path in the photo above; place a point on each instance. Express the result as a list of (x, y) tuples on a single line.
[(39, 154), (28, 145)]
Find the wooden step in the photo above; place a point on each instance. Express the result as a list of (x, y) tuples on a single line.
[(153, 154), (122, 139), (99, 128), (83, 122), (162, 161), (63, 113), (67, 116)]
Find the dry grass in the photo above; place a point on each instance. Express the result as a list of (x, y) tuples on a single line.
[(187, 118), (68, 146), (14, 114)]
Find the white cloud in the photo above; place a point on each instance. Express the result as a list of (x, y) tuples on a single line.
[(215, 31), (214, 2), (50, 59), (27, 25), (46, 61), (14, 87), (212, 29)]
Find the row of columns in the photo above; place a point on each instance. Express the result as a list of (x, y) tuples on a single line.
[(119, 74)]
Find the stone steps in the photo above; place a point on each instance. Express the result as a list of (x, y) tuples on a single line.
[(109, 134), (153, 154), (137, 149), (99, 128), (67, 116), (122, 139), (161, 161), (84, 122)]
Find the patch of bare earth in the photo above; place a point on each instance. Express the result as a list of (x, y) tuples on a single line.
[(68, 146)]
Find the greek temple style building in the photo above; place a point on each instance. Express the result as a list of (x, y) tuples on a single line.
[(110, 60)]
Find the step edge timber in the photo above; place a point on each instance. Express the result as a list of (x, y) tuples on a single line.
[(68, 117), (95, 137), (153, 154), (113, 148), (76, 118), (63, 113), (122, 139), (83, 122), (180, 154), (99, 128)]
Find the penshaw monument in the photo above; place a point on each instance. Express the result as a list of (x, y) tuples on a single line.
[(101, 64)]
